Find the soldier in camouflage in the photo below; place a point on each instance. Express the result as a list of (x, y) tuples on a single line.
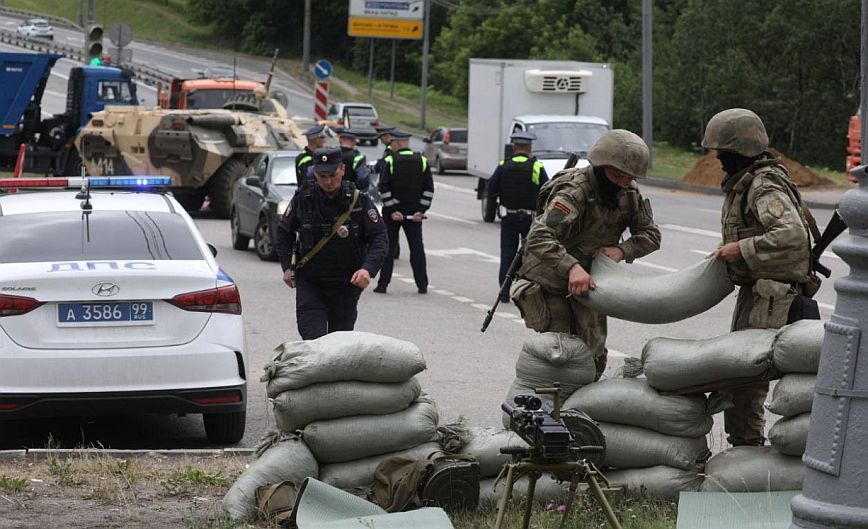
[(765, 246), (582, 212)]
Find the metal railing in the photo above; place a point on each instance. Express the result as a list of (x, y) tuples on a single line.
[(21, 13)]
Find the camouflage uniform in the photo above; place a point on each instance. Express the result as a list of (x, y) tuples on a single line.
[(572, 223), (762, 212)]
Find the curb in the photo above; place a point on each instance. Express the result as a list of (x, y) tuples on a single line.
[(665, 183), (65, 453)]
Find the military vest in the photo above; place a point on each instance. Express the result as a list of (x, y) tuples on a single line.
[(739, 221), (517, 187), (408, 176), (341, 255)]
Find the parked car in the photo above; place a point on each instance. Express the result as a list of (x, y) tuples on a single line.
[(36, 27), (111, 302), (359, 118), (261, 197), (446, 149)]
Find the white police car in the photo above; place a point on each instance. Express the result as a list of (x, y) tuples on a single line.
[(111, 301)]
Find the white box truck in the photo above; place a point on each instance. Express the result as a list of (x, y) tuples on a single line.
[(567, 104)]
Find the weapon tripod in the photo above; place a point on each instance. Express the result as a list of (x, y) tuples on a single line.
[(581, 470)]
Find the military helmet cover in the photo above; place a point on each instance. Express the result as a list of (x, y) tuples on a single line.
[(737, 130), (622, 150)]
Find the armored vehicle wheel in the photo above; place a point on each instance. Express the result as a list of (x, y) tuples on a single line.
[(221, 187), (262, 241), (489, 208), (239, 242), (225, 428), (189, 200)]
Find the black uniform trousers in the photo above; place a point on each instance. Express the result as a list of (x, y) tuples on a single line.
[(413, 232), (322, 307), (512, 227)]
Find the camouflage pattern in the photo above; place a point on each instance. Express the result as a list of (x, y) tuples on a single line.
[(622, 150), (571, 225), (761, 212), (737, 130)]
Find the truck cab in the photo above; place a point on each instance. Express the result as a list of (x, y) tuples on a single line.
[(92, 88), (197, 94)]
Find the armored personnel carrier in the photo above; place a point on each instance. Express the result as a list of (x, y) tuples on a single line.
[(204, 151)]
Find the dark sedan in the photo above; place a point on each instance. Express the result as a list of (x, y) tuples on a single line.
[(262, 195)]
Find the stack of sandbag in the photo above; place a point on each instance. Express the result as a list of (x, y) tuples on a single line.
[(353, 398), (797, 356), (551, 357), (753, 469), (656, 442)]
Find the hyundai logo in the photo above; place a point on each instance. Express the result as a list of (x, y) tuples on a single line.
[(105, 289)]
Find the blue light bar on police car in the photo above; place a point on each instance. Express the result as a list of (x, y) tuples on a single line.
[(93, 182)]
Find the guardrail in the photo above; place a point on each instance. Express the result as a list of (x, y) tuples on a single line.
[(146, 73), (21, 13)]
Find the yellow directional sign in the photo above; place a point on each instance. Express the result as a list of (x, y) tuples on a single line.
[(385, 28)]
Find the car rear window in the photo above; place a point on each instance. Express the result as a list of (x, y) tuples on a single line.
[(104, 236), (361, 111), (458, 135)]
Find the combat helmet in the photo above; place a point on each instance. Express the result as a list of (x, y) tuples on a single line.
[(737, 130), (623, 150)]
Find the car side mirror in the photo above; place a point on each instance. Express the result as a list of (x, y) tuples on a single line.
[(213, 249), (426, 140), (253, 181)]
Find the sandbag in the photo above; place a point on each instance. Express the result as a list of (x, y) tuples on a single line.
[(485, 445), (288, 460), (349, 438), (547, 489), (660, 481), (672, 364), (296, 408), (338, 356), (623, 293), (797, 349), (555, 357), (360, 473), (752, 469), (633, 402), (634, 447), (793, 395), (790, 434)]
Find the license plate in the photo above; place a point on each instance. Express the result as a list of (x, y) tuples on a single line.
[(105, 314)]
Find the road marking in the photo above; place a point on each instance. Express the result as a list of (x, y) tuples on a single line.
[(616, 354), (701, 252), (448, 253), (406, 280), (658, 267), (450, 187), (707, 210), (694, 231), (443, 292), (480, 306), (507, 315), (825, 306), (450, 217), (53, 93), (462, 299)]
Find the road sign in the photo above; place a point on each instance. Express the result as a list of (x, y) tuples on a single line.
[(120, 35), (386, 28), (323, 69), (401, 9), (321, 99)]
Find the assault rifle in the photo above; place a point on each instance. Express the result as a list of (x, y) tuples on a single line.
[(507, 281), (835, 227)]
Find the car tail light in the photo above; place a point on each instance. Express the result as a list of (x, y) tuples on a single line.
[(6, 406), (223, 399), (16, 305), (447, 136), (375, 123), (223, 299)]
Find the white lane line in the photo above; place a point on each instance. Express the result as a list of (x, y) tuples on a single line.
[(703, 253), (450, 217), (450, 187), (658, 267), (480, 306), (616, 354), (53, 93), (707, 210), (462, 299), (443, 292), (825, 306), (406, 280), (694, 231), (507, 315)]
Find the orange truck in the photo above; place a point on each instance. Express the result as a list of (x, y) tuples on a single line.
[(203, 93), (854, 144)]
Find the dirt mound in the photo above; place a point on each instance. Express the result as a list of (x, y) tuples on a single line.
[(707, 172)]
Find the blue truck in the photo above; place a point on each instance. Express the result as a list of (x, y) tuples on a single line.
[(49, 141)]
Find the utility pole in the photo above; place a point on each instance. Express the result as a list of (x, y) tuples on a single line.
[(647, 81), (370, 68), (90, 9), (305, 46), (392, 72), (424, 88), (79, 13)]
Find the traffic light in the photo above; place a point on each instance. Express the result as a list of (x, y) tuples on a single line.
[(93, 43)]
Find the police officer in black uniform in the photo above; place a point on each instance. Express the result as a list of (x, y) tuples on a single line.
[(407, 188), (384, 134), (355, 163), (315, 140), (339, 241), (516, 183)]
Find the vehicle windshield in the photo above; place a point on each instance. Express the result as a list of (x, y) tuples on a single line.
[(560, 137), (458, 136), (283, 171), (41, 24), (119, 92), (211, 97), (105, 236), (362, 112)]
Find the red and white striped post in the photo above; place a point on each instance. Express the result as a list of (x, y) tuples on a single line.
[(321, 99)]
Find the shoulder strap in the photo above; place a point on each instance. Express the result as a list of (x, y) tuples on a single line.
[(322, 242)]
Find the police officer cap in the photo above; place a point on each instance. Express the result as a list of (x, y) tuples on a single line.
[(317, 131), (384, 130), (344, 132), (326, 160), (521, 137), (399, 134)]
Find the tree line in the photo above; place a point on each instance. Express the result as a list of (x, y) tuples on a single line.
[(795, 62)]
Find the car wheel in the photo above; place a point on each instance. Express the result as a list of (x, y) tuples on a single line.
[(262, 241), (221, 186), (190, 200), (225, 428), (489, 208), (239, 242), (440, 168)]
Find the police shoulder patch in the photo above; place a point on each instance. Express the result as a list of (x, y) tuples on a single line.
[(373, 215), (776, 208)]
